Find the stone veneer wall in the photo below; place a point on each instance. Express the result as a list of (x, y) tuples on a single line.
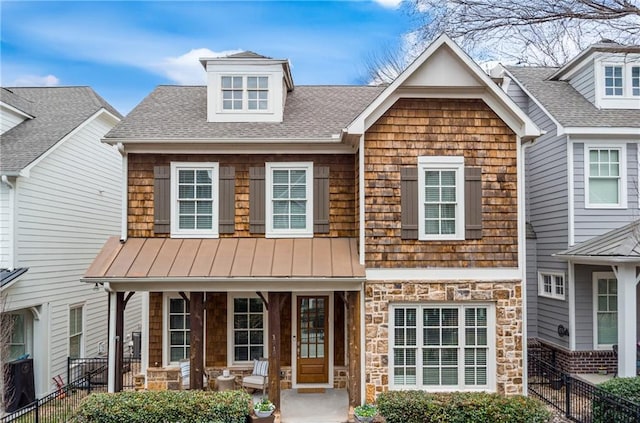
[(505, 295)]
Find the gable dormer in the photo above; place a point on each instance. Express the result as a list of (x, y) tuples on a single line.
[(246, 87), (607, 74)]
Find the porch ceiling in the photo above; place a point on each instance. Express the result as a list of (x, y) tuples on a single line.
[(242, 258)]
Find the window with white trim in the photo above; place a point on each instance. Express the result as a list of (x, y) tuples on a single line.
[(605, 293), (613, 80), (75, 332), (635, 81), (618, 82), (178, 329), (605, 176), (247, 317), (194, 199), (551, 284), (441, 198), (289, 208), (245, 93), (442, 347)]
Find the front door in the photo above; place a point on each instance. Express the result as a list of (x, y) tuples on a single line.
[(313, 339)]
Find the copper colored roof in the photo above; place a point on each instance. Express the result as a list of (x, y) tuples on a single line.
[(155, 258)]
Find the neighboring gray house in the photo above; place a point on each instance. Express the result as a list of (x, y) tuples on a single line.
[(60, 199), (583, 205)]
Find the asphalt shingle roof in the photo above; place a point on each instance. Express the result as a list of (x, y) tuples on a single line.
[(16, 101), (567, 105), (57, 111), (621, 242), (180, 112)]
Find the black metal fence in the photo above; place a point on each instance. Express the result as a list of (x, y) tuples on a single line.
[(577, 400), (88, 375)]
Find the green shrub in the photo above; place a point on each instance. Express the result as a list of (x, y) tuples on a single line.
[(165, 407), (603, 406), (459, 407)]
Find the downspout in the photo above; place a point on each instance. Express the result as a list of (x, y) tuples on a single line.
[(124, 193), (523, 257), (571, 241), (11, 230)]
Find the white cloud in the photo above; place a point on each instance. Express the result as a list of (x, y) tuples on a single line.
[(35, 81), (391, 4), (186, 69)]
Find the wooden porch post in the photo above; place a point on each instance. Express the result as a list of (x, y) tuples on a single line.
[(196, 317), (353, 330), (119, 340), (274, 347)]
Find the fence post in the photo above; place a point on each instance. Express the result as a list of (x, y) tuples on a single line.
[(68, 370), (89, 382), (567, 395), (37, 411)]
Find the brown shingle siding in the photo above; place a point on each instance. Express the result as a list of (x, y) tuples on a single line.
[(342, 220), (440, 127)]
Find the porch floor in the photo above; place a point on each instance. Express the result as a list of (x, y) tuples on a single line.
[(593, 378), (332, 406)]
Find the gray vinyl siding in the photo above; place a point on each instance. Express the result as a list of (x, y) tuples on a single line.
[(584, 304), (592, 221), (518, 95), (583, 81), (546, 180), (532, 290)]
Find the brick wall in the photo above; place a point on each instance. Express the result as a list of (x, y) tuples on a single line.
[(591, 361), (342, 222), (506, 296), (435, 127)]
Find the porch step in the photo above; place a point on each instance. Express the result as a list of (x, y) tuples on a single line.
[(311, 390)]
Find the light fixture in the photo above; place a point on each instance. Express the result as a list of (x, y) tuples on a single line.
[(96, 287)]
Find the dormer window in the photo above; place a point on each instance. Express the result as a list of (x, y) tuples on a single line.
[(245, 93), (613, 80), (618, 83), (635, 81)]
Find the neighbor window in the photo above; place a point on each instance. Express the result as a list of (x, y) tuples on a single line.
[(551, 285), (635, 81), (441, 198), (242, 93), (248, 331), (17, 335), (604, 176), (613, 80), (289, 205), (75, 332), (178, 330), (442, 347), (606, 309), (194, 199)]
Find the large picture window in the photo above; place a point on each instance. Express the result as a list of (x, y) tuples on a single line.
[(442, 347), (248, 328), (441, 198), (605, 176), (289, 199), (606, 309), (194, 195)]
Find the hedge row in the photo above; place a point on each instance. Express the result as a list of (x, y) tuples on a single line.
[(607, 408), (459, 407), (165, 406)]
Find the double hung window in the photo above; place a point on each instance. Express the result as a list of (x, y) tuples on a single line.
[(442, 347), (289, 204), (247, 315), (605, 176), (245, 93), (75, 332), (194, 193)]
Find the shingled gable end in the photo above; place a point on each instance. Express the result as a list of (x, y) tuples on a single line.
[(321, 199)]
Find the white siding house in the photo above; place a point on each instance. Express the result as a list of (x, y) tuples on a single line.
[(60, 199)]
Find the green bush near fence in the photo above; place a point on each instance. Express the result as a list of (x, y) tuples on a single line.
[(603, 407), (165, 407), (459, 407)]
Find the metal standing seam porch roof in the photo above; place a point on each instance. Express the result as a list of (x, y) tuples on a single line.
[(622, 244), (225, 258)]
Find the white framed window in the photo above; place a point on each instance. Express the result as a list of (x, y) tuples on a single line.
[(551, 285), (17, 335), (605, 307), (247, 329), (618, 82), (613, 80), (605, 176), (177, 329), (76, 324), (442, 347), (635, 81), (289, 207), (245, 93), (194, 200), (441, 198)]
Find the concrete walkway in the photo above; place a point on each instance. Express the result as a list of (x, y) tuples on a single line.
[(332, 406)]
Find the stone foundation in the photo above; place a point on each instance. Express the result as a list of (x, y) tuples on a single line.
[(592, 361), (505, 296)]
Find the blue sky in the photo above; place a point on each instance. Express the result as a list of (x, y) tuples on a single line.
[(123, 49)]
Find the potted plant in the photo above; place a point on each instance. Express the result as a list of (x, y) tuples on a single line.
[(264, 408), (365, 413)]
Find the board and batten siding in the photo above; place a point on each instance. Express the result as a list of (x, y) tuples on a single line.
[(547, 211), (591, 222), (9, 119), (68, 206), (5, 217), (583, 81)]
